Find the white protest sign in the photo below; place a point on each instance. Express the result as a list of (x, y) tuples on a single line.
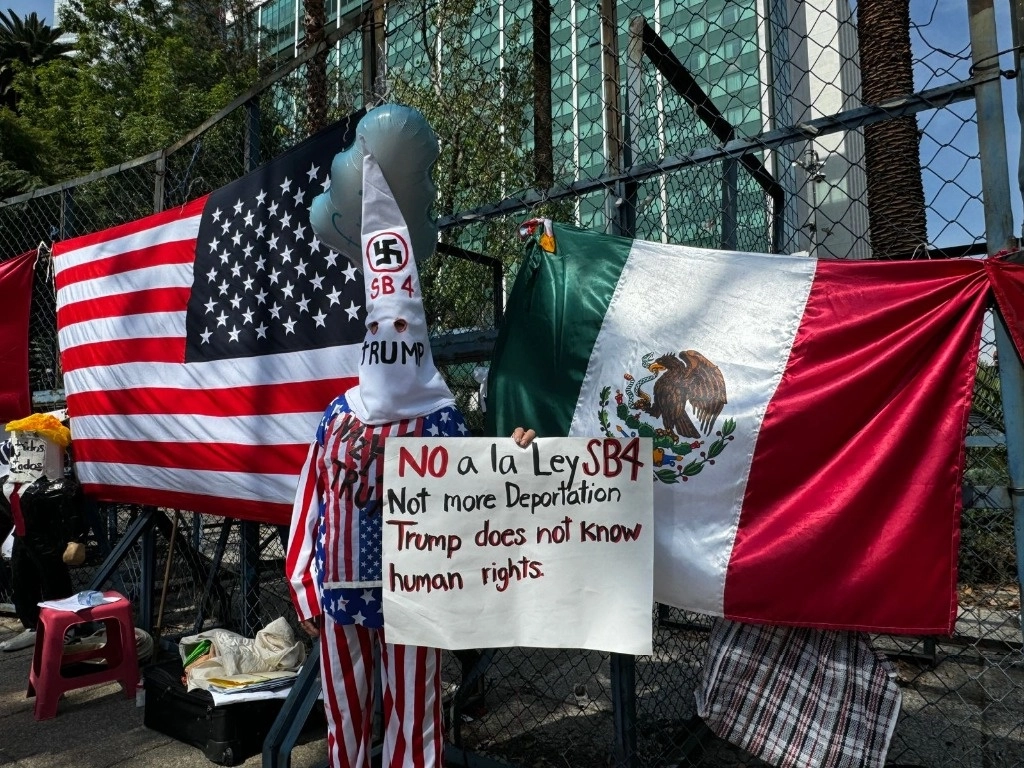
[(488, 545), (6, 449), (34, 457)]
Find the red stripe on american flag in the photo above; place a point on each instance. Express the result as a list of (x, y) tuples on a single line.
[(254, 400), (121, 351), (152, 300), (216, 457), (260, 511), (173, 252), (193, 208)]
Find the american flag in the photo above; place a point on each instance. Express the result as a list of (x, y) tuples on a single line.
[(201, 345)]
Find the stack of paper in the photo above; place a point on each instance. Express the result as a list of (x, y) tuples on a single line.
[(247, 683)]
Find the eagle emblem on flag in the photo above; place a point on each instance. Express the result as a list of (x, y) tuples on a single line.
[(686, 378)]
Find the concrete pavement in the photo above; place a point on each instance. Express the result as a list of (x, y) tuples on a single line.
[(95, 727)]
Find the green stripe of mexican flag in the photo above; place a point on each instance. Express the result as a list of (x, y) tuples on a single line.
[(808, 416)]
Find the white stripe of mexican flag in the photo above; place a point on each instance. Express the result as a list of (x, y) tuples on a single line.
[(808, 416)]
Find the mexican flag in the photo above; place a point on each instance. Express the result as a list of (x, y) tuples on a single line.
[(808, 416)]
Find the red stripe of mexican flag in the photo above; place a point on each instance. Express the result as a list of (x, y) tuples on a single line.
[(826, 490)]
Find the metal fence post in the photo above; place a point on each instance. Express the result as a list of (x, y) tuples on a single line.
[(252, 156), (623, 668), (374, 63), (147, 577), (631, 128), (159, 180), (995, 183), (730, 198), (611, 112), (67, 215), (623, 221), (1017, 33)]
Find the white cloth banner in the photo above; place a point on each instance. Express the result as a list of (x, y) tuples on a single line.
[(487, 544)]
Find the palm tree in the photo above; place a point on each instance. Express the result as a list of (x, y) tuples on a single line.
[(896, 212), (316, 70), (26, 42)]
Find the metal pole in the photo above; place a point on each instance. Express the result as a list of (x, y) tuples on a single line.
[(1017, 30), (623, 669), (158, 628), (159, 177), (147, 577), (252, 150), (374, 63), (995, 182), (543, 146), (730, 199), (612, 113), (67, 214), (631, 128)]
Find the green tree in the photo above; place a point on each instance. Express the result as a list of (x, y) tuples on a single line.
[(17, 141), (25, 42), (145, 73), (481, 111)]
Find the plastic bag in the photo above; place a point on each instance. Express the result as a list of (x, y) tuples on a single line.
[(275, 648)]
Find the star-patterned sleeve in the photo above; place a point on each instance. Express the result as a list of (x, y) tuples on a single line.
[(447, 422), (300, 560)]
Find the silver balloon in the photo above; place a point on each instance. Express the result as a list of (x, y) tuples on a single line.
[(406, 148)]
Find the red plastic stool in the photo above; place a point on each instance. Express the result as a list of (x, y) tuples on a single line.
[(54, 672)]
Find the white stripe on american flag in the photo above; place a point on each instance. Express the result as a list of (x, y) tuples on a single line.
[(123, 283), (261, 429), (289, 367), (223, 485), (148, 326), (153, 237)]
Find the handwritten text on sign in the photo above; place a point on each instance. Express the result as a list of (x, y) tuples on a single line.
[(487, 544), (33, 457)]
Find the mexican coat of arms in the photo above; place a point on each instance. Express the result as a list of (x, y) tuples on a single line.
[(686, 378)]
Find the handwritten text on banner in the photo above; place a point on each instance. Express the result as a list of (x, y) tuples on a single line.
[(487, 544)]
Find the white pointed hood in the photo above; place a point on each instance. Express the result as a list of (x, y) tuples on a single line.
[(397, 377)]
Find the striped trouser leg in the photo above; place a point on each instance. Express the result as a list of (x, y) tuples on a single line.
[(412, 707), (346, 669)]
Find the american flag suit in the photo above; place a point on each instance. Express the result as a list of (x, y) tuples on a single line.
[(334, 571)]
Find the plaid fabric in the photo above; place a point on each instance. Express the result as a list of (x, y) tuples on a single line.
[(799, 698)]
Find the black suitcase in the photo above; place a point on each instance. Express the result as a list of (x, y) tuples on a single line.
[(227, 734)]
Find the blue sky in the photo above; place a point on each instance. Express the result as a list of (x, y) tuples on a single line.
[(24, 7), (942, 45)]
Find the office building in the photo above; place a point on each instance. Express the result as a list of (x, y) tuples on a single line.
[(764, 64)]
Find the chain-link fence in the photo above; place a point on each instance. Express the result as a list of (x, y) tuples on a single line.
[(765, 126)]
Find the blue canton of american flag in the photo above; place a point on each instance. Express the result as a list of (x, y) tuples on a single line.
[(263, 281)]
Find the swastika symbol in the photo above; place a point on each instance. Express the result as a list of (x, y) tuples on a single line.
[(387, 252)]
